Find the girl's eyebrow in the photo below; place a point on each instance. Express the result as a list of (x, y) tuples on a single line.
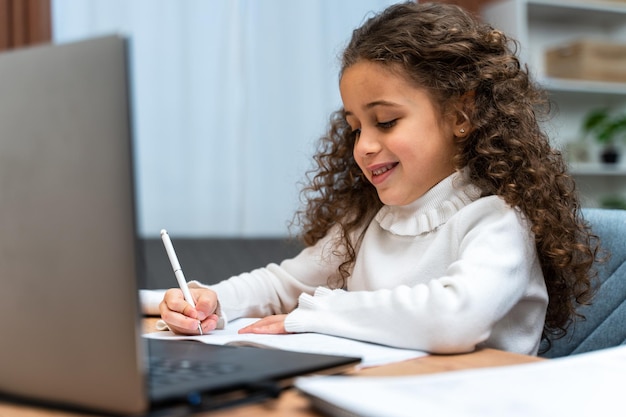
[(373, 104)]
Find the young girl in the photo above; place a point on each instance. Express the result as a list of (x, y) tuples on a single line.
[(438, 218)]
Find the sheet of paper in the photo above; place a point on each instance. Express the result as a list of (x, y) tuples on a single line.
[(371, 354), (577, 386)]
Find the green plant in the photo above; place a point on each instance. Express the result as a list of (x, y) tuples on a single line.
[(606, 127), (613, 202)]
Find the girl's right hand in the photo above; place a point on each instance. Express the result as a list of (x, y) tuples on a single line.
[(182, 318)]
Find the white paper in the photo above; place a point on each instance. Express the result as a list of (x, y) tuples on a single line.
[(583, 385), (371, 354)]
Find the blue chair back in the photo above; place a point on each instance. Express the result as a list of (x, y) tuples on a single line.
[(605, 324)]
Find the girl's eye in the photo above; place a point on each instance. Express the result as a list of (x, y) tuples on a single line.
[(387, 125), (356, 133)]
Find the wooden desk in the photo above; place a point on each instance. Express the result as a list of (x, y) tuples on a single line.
[(291, 404)]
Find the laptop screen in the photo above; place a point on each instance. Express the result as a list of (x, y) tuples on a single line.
[(67, 229)]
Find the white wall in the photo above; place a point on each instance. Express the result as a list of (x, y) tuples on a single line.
[(229, 98)]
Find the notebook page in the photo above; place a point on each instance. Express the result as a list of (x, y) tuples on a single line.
[(371, 354)]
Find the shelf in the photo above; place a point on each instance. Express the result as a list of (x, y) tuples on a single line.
[(541, 24), (598, 170), (609, 13), (561, 85)]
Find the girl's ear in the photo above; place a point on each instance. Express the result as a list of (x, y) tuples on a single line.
[(464, 108)]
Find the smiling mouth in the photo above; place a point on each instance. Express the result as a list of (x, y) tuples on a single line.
[(379, 171)]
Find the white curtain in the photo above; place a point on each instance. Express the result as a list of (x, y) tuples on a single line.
[(229, 98)]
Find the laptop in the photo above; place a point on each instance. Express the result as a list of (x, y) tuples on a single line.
[(70, 322)]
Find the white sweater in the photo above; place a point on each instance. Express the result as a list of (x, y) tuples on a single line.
[(445, 274)]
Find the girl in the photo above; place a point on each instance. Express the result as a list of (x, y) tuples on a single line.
[(438, 218)]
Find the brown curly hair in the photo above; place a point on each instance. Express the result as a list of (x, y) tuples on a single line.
[(458, 59)]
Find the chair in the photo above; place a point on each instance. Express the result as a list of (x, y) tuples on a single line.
[(605, 324)]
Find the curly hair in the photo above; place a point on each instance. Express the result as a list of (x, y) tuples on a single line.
[(471, 68)]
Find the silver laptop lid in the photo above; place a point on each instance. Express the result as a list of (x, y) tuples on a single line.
[(67, 228)]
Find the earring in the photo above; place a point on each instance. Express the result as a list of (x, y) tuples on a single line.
[(461, 130)]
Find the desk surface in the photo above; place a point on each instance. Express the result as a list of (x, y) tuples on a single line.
[(291, 404)]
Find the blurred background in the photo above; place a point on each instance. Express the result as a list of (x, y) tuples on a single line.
[(229, 98)]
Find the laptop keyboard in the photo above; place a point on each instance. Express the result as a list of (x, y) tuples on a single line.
[(167, 371)]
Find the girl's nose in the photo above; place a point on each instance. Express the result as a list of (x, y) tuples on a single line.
[(367, 144)]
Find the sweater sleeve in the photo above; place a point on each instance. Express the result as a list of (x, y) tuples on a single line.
[(275, 288), (495, 278), (150, 300)]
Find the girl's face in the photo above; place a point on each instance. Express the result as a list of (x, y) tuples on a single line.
[(404, 145)]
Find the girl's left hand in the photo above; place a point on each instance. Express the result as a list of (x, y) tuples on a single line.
[(267, 325)]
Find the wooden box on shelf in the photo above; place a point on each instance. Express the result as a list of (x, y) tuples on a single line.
[(588, 60)]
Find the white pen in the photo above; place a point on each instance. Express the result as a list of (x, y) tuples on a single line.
[(178, 271)]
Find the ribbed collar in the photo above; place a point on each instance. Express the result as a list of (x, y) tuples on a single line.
[(432, 209)]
